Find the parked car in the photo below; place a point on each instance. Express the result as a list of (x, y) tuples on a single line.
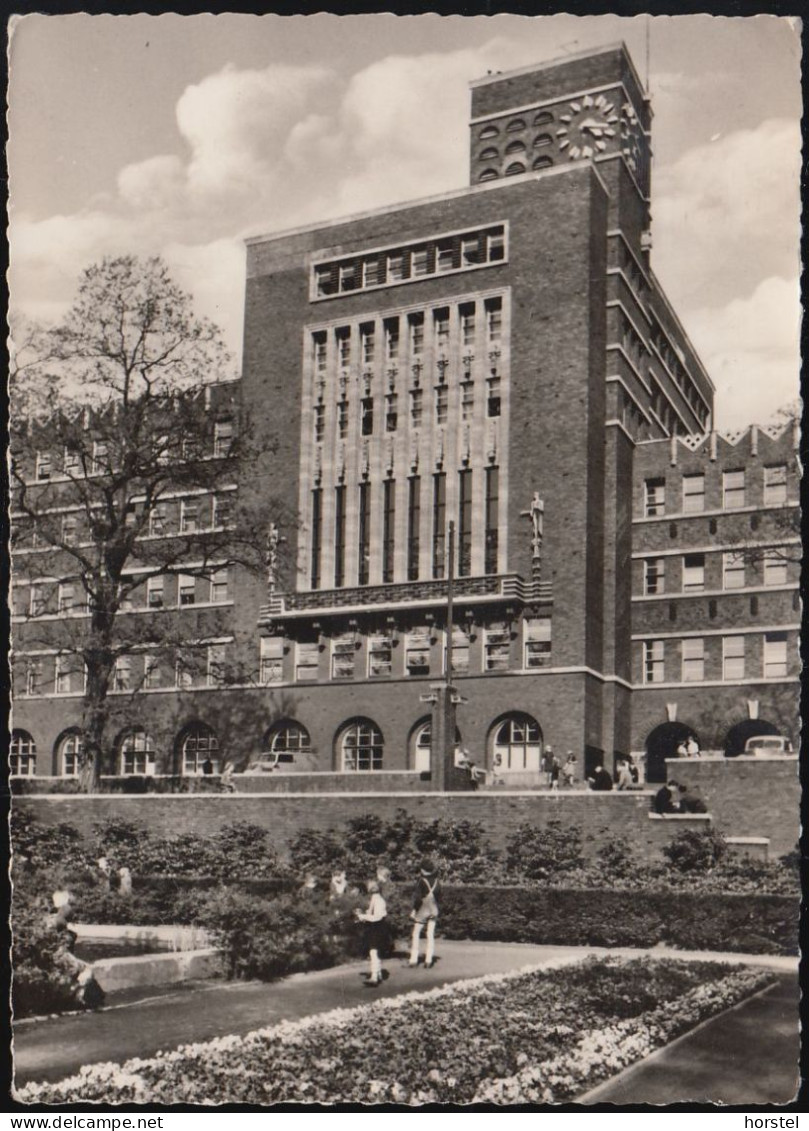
[(768, 746), (268, 761)]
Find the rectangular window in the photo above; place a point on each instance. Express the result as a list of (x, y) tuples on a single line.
[(324, 283), (732, 657), (367, 342), (413, 524), (693, 659), (395, 267), (492, 519), (37, 601), (654, 497), (775, 655), (470, 251), (775, 485), (417, 652), (732, 490), (370, 272), (416, 325), (391, 328), (493, 396), (419, 263), (379, 655), (445, 258), (439, 523), (693, 493), (67, 599), (342, 419), (221, 511), (44, 466), (343, 338), (125, 593), (100, 462), (122, 674), (348, 276), (271, 659), (320, 423), (152, 676), (494, 319), (464, 523), (441, 404), (222, 438), (364, 542), (775, 568), (157, 520), (388, 529), (653, 661), (189, 516), (215, 668), (495, 245), (184, 672), (307, 660), (33, 678), (72, 462), (343, 653), (367, 416), (219, 587), (441, 329), (154, 593), (693, 573), (496, 648), (460, 651), (467, 313), (537, 638), (391, 413), (186, 590), (467, 400), (416, 407), (733, 570), (317, 505), (320, 347), (61, 684), (654, 576), (339, 535)]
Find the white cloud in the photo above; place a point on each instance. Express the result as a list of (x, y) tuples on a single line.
[(152, 184)]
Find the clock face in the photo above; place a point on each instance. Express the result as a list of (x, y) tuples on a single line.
[(588, 126), (633, 142)]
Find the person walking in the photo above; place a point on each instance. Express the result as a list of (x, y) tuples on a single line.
[(375, 931), (425, 913), (569, 770), (556, 769), (624, 776), (547, 765)]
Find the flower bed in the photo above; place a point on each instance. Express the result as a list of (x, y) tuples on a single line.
[(533, 1036)]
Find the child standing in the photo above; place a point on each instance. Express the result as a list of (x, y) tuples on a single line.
[(425, 912), (375, 930)]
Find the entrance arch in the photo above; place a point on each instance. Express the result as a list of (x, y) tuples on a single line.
[(662, 743), (420, 744), (516, 744), (740, 732)]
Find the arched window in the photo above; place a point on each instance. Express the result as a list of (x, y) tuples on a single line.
[(199, 744), (22, 754), (662, 743), (541, 140), (515, 146), (543, 117), (488, 131), (287, 739), (515, 169), (69, 750), (488, 154), (738, 735), (422, 744), (515, 125), (137, 753), (361, 746), (488, 175), (517, 745), (543, 162)]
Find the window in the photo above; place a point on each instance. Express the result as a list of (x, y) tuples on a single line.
[(33, 677), (733, 489), (122, 674), (320, 423), (517, 745), (388, 529), (152, 674), (492, 519), (367, 342), (343, 339), (367, 416), (391, 328), (439, 523), (72, 462), (775, 486), (494, 319), (441, 329), (496, 245), (496, 648), (157, 520), (464, 523), (69, 526), (189, 516), (391, 414), (219, 587), (417, 652), (44, 466), (515, 147), (775, 568), (654, 576), (199, 744), (537, 639), (271, 659), (653, 661), (515, 125), (154, 593), (416, 407), (419, 263), (732, 657), (37, 601), (489, 131), (67, 599), (339, 535), (307, 660), (395, 267), (470, 245), (371, 273), (775, 655), (379, 655), (319, 340), (460, 651), (317, 531), (186, 590), (364, 539), (70, 751), (445, 256), (342, 419), (343, 652), (222, 437), (324, 284), (215, 668), (221, 511), (441, 404), (137, 753), (99, 464), (413, 524), (733, 570), (493, 396), (488, 175), (289, 739), (693, 659), (347, 276), (22, 754), (693, 493), (416, 324), (693, 573), (467, 313), (515, 168), (362, 747), (467, 400), (654, 497)]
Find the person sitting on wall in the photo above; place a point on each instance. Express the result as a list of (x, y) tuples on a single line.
[(692, 747), (226, 783), (664, 800), (600, 781), (623, 775), (691, 802), (682, 750)]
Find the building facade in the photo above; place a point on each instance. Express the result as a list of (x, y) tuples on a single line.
[(501, 358)]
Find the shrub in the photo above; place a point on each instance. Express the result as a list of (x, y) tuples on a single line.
[(40, 984), (43, 846), (618, 860), (695, 850), (317, 852), (542, 853)]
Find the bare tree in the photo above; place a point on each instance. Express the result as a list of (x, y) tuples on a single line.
[(118, 413)]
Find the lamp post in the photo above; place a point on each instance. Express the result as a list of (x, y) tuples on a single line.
[(445, 699)]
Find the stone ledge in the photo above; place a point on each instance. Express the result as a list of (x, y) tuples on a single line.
[(680, 816)]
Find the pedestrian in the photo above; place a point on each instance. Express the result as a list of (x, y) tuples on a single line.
[(375, 931), (425, 913), (690, 802), (556, 769), (682, 749), (600, 781), (106, 872), (547, 764), (692, 747), (624, 777), (665, 800), (569, 770), (226, 783), (207, 767), (124, 882), (634, 773), (338, 885)]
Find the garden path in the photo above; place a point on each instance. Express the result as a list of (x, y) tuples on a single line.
[(53, 1048)]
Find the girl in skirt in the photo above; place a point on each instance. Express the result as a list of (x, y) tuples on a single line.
[(376, 931)]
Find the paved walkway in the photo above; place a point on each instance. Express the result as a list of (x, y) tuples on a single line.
[(53, 1048)]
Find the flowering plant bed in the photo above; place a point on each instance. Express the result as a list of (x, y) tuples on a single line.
[(532, 1036)]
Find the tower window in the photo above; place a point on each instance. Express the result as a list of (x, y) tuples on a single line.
[(494, 319), (413, 524), (493, 397), (441, 404), (542, 162), (416, 407), (391, 415), (488, 175), (388, 529), (515, 147), (367, 342), (439, 523), (364, 546), (416, 324), (367, 416), (515, 168), (317, 517), (464, 523), (492, 518), (339, 535), (488, 154), (515, 125)]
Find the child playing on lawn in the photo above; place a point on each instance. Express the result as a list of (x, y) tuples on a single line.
[(375, 931), (425, 912)]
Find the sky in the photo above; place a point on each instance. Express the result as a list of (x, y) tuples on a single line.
[(183, 135)]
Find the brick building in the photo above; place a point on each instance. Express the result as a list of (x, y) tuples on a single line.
[(504, 358)]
